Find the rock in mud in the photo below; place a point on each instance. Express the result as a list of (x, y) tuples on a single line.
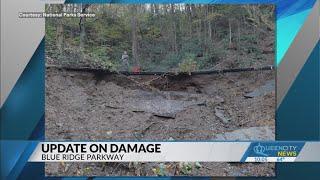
[(221, 115), (162, 107), (262, 90), (253, 133)]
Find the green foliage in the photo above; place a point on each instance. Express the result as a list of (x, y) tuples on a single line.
[(87, 170), (171, 60), (160, 170), (105, 63), (188, 64), (186, 168)]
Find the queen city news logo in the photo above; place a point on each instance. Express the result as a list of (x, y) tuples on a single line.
[(266, 151)]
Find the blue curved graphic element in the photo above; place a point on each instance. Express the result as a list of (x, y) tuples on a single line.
[(285, 35), (10, 152), (24, 106), (298, 114)]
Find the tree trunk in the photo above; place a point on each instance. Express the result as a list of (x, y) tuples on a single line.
[(156, 9), (134, 35), (82, 35), (230, 34), (152, 8), (209, 11), (210, 30), (239, 35), (188, 9), (60, 32), (199, 30), (82, 27), (174, 29), (200, 25)]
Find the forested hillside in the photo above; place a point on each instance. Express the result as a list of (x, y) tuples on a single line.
[(166, 37)]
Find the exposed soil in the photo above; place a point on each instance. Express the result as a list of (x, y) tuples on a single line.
[(85, 106)]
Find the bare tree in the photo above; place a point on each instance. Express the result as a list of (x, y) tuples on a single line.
[(82, 27), (60, 31), (134, 33)]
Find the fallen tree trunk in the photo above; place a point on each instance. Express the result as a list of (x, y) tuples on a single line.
[(159, 73)]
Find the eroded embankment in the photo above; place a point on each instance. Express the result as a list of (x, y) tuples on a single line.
[(85, 106), (192, 108)]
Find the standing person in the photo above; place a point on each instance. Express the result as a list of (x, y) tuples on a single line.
[(125, 61)]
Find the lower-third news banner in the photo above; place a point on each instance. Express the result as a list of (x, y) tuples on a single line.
[(176, 152)]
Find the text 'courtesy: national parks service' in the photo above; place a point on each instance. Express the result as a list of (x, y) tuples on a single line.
[(94, 152)]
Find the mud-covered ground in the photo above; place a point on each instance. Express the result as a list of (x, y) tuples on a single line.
[(87, 106)]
